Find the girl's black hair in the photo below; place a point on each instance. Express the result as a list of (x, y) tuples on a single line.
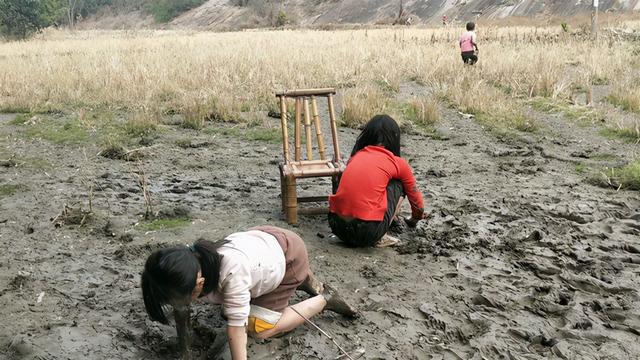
[(170, 275), (380, 130), (471, 26)]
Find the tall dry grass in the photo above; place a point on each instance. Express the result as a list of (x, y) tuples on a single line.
[(221, 75)]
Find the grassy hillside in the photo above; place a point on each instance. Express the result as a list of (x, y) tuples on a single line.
[(161, 10), (236, 14)]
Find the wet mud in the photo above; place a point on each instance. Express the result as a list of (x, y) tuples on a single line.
[(521, 258)]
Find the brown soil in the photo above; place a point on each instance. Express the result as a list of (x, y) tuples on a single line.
[(521, 257)]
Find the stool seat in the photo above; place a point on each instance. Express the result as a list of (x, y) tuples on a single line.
[(312, 168)]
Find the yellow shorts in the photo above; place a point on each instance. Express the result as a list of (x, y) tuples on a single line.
[(262, 319)]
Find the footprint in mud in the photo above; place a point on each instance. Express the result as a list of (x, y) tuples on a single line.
[(595, 286), (541, 343), (128, 251), (615, 313), (582, 325), (487, 301), (540, 267), (581, 214), (444, 325), (22, 347), (549, 302), (516, 241)]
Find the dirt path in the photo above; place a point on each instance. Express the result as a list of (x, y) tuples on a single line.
[(522, 258)]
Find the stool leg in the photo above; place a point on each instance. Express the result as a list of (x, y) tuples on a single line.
[(291, 212), (283, 192), (335, 182)]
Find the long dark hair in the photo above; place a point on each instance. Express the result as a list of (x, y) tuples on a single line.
[(170, 275), (381, 129)]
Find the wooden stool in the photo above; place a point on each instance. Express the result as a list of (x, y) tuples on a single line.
[(306, 107)]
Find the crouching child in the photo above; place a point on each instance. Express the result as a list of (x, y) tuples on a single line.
[(253, 274)]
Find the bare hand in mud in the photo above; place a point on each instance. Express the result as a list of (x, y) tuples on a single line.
[(413, 222), (183, 326)]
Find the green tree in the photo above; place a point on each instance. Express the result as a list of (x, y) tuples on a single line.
[(21, 18), (281, 19), (165, 10)]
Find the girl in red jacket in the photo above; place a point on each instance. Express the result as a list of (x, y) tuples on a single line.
[(372, 187)]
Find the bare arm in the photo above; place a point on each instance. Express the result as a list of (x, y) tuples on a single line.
[(237, 342), (237, 303), (183, 325), (405, 174)]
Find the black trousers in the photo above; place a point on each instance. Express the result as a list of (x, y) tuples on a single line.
[(363, 233), (469, 57)]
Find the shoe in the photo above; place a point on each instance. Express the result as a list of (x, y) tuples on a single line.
[(388, 241)]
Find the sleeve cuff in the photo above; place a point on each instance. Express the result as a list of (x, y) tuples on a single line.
[(237, 322), (237, 316)]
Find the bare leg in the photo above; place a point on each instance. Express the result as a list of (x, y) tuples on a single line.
[(398, 207), (388, 240), (183, 325), (291, 320)]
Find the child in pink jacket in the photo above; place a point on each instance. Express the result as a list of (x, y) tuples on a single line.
[(468, 45)]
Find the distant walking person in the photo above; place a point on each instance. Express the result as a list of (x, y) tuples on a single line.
[(469, 45)]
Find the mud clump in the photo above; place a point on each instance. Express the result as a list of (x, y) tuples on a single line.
[(438, 237), (189, 144), (72, 216), (8, 163), (21, 279), (114, 152), (118, 152), (368, 272), (174, 212), (416, 246)]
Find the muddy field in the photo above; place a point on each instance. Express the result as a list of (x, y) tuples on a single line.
[(522, 258)]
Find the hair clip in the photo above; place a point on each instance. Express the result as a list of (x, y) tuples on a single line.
[(191, 248)]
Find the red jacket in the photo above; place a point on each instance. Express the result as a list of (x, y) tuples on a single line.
[(362, 193)]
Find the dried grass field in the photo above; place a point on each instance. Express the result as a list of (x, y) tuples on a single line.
[(222, 75)]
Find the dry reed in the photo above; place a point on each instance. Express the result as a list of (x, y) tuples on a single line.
[(217, 76)]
